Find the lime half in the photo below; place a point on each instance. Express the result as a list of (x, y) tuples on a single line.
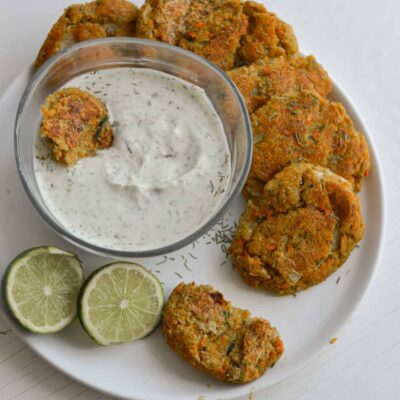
[(120, 302), (42, 287)]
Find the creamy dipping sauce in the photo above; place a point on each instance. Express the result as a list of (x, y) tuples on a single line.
[(164, 176)]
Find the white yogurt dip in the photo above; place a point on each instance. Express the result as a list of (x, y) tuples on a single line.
[(164, 176)]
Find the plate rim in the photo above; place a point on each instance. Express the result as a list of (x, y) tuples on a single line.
[(243, 390)]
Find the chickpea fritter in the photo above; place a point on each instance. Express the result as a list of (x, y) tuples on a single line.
[(266, 35), (75, 124), (276, 76), (224, 341), (302, 228), (80, 22), (211, 29), (303, 126)]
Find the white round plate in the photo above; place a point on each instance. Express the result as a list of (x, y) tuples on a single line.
[(148, 368)]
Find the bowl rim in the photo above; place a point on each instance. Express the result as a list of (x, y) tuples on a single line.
[(104, 251)]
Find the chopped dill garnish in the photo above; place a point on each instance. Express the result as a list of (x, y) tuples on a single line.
[(163, 261), (128, 147), (211, 186), (186, 266)]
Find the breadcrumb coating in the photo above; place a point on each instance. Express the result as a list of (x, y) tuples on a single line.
[(266, 35), (211, 29), (277, 76)]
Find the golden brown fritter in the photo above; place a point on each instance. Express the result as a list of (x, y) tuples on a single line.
[(209, 28), (302, 126), (98, 19), (226, 342), (302, 228), (227, 32), (75, 124), (276, 76), (266, 35)]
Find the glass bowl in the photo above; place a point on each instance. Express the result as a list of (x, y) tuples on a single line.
[(130, 52)]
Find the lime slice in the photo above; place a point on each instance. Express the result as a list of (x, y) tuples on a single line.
[(42, 287), (120, 302)]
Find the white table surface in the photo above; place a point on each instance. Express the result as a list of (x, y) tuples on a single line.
[(358, 42)]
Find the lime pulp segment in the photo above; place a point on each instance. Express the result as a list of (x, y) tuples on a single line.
[(42, 286), (120, 302)]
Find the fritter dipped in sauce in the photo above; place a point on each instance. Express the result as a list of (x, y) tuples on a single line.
[(76, 125)]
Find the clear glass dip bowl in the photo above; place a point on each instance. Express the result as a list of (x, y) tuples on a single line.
[(130, 52)]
